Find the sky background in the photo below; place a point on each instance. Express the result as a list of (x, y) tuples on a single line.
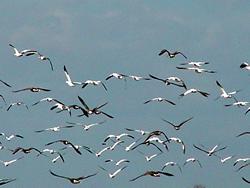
[(94, 38)]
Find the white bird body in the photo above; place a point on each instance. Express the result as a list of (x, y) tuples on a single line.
[(7, 163), (179, 141), (115, 144), (103, 150), (241, 160), (116, 172), (68, 79), (149, 158), (196, 63), (121, 161)]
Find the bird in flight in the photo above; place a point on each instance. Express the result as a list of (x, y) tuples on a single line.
[(171, 54), (116, 75), (7, 163), (55, 129), (211, 151), (178, 126), (196, 69), (73, 180), (44, 58), (26, 52), (114, 174), (32, 89), (153, 174), (170, 80), (17, 104), (192, 160), (225, 94), (159, 99), (245, 65), (94, 83), (68, 79), (65, 142), (193, 90), (196, 63)]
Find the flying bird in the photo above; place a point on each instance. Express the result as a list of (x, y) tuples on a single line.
[(114, 174), (245, 65), (25, 150), (196, 63), (196, 69), (224, 94), (86, 127), (178, 126), (193, 160), (159, 99), (11, 136), (44, 58), (178, 141), (116, 75), (170, 81), (26, 52), (171, 163), (55, 129), (17, 104), (7, 163), (32, 89), (193, 90), (47, 99), (138, 78), (93, 82), (68, 79), (171, 54), (211, 151), (73, 180), (65, 142), (153, 174)]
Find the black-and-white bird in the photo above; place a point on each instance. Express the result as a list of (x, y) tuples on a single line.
[(61, 106), (196, 63), (117, 76), (7, 163), (178, 141), (193, 160), (153, 174), (44, 58), (47, 99), (65, 142), (171, 163), (159, 99), (68, 79), (86, 127), (55, 129), (170, 81), (171, 54), (26, 150), (138, 78), (177, 126), (211, 151), (26, 52), (94, 83), (241, 160), (196, 69), (117, 163), (225, 94), (193, 90), (72, 179), (11, 136), (245, 65), (17, 104), (32, 89), (117, 137)]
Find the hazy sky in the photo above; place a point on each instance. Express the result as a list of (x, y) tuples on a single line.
[(95, 38)]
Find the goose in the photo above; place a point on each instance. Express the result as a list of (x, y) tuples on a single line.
[(93, 82), (11, 136), (171, 54), (73, 180), (25, 150), (7, 163), (95, 110), (153, 174), (116, 75), (159, 99), (170, 80), (44, 58), (117, 163), (5, 83), (211, 151), (114, 174), (245, 65), (142, 132), (177, 126), (192, 160), (32, 89), (117, 137), (224, 94), (68, 79), (171, 163), (98, 154), (46, 99), (115, 144), (65, 142), (196, 63), (86, 127), (55, 129), (193, 90), (138, 78), (196, 69), (241, 160), (17, 104), (26, 52), (178, 141)]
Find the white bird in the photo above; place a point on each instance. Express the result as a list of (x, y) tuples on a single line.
[(241, 160), (86, 127), (44, 58), (61, 106), (193, 90), (17, 104), (223, 160), (118, 162), (7, 163), (170, 81), (224, 94), (129, 147), (196, 63), (55, 129), (142, 132), (68, 79), (93, 82), (179, 141), (211, 151), (47, 99), (138, 78), (238, 103), (11, 136), (192, 160), (114, 174), (115, 144), (117, 137), (26, 52), (150, 157), (116, 75), (245, 65), (159, 99), (171, 163), (98, 154), (196, 69)]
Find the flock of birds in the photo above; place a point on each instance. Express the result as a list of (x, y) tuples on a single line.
[(132, 139)]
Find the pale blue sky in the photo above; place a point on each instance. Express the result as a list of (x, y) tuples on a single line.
[(95, 38)]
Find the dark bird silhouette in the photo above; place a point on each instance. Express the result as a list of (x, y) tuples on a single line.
[(171, 54), (153, 174), (178, 126), (32, 89), (65, 142)]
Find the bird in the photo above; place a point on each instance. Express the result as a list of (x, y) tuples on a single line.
[(148, 143), (153, 174), (130, 146), (178, 141), (238, 104), (5, 83), (55, 129), (211, 151), (115, 144), (44, 58), (32, 89), (17, 104), (5, 181), (196, 63), (156, 133), (95, 110), (65, 142), (73, 180), (193, 90), (98, 154), (7, 163), (192, 160), (138, 78), (171, 163), (178, 126), (46, 99), (171, 54), (26, 52), (159, 99), (68, 79), (114, 174), (61, 106), (116, 75), (86, 127), (241, 160), (25, 150), (196, 69), (223, 160), (150, 157), (245, 65), (244, 133), (11, 136), (170, 81), (118, 137), (142, 132), (224, 94), (117, 163), (93, 82)]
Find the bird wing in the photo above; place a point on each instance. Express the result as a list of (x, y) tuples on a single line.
[(83, 103), (103, 85), (107, 114), (244, 133), (59, 175), (85, 177), (24, 89), (200, 149), (203, 93), (165, 173), (52, 142), (77, 150), (139, 177), (5, 83), (169, 122), (51, 65), (156, 78), (169, 101), (245, 180), (185, 121), (3, 99), (67, 74), (163, 51), (182, 54), (43, 89)]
